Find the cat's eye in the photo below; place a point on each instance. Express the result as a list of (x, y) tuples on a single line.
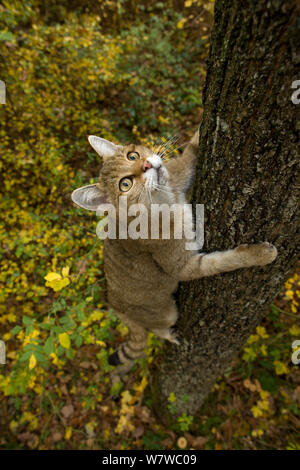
[(125, 184), (133, 156)]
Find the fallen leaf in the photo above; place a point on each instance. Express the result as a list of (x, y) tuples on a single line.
[(199, 442), (67, 410), (138, 432), (57, 436), (85, 364)]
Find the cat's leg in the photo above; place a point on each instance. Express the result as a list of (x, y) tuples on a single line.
[(128, 351), (202, 265), (134, 346), (168, 319), (182, 168), (166, 333)]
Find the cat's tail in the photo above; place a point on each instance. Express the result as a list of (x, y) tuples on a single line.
[(133, 348)]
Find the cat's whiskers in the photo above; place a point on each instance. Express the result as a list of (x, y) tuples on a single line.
[(141, 195), (173, 145), (169, 153), (164, 188), (153, 148), (175, 137), (148, 192), (168, 145)]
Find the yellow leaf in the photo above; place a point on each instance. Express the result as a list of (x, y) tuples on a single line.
[(65, 271), (13, 425), (280, 368), (121, 424), (52, 277), (295, 330), (256, 411), (253, 339), (64, 340), (264, 394), (68, 433), (32, 362), (257, 432), (180, 23), (90, 428), (126, 397), (172, 397), (64, 282), (58, 284), (263, 405), (56, 281), (261, 331), (289, 293), (264, 350), (38, 389), (141, 387)]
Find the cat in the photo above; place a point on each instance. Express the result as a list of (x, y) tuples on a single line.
[(143, 274)]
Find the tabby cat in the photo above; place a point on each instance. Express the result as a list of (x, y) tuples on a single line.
[(142, 274)]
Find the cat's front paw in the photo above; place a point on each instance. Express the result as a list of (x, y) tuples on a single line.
[(257, 255)]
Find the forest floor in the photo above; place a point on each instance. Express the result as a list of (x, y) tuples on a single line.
[(126, 73)]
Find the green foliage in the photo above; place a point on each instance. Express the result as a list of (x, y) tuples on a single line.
[(70, 72), (185, 422), (127, 71), (122, 70)]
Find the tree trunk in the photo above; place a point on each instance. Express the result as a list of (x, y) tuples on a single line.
[(247, 176)]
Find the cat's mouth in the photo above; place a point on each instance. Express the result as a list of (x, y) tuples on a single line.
[(156, 175), (156, 178)]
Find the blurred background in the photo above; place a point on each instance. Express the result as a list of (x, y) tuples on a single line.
[(128, 71)]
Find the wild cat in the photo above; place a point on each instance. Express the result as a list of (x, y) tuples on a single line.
[(143, 274)]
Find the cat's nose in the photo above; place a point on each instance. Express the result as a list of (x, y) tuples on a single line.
[(146, 165)]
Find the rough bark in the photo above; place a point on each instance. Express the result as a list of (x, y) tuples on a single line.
[(248, 180)]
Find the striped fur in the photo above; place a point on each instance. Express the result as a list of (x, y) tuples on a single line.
[(142, 275)]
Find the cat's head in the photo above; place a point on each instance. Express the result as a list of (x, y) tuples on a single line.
[(131, 170)]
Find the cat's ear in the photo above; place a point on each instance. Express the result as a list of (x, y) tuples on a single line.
[(103, 147), (89, 197)]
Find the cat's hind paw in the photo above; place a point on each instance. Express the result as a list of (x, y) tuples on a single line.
[(167, 333), (173, 337)]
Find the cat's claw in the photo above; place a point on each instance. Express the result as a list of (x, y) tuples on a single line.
[(173, 338), (167, 333)]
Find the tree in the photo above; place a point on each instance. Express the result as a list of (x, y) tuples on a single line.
[(248, 180)]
